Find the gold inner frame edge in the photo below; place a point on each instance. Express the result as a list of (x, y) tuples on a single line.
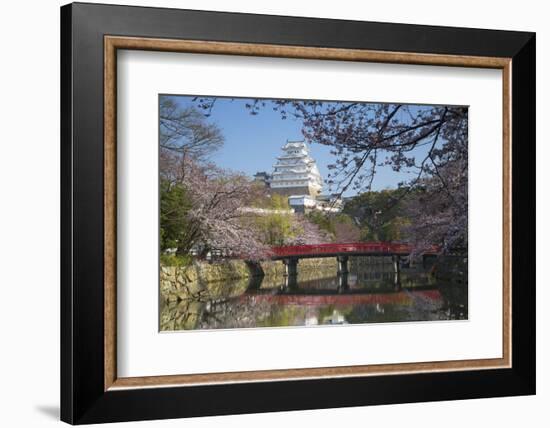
[(113, 43)]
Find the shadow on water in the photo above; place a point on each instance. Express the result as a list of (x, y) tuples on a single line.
[(369, 293)]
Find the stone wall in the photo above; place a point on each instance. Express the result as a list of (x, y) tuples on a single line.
[(291, 191), (202, 277)]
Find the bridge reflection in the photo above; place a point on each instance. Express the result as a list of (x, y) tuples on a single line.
[(318, 295), (383, 282), (379, 302)]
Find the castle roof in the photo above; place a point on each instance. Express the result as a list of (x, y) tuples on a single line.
[(295, 145)]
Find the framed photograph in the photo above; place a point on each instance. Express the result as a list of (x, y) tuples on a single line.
[(266, 213)]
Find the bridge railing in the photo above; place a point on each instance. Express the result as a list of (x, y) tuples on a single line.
[(342, 248)]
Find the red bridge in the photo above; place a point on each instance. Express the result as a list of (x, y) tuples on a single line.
[(291, 255), (347, 249)]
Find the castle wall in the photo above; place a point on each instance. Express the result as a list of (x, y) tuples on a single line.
[(290, 191)]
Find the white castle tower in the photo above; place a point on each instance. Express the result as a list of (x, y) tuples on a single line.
[(296, 172)]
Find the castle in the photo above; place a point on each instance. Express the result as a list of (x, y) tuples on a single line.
[(295, 175)]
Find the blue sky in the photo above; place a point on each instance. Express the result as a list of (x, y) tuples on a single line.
[(252, 142)]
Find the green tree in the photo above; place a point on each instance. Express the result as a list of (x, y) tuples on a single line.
[(340, 227), (345, 229), (275, 224), (175, 228), (322, 220), (393, 230), (380, 214)]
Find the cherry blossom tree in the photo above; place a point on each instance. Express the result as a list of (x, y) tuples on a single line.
[(306, 233), (428, 142), (215, 219), (210, 217), (202, 204), (184, 131)]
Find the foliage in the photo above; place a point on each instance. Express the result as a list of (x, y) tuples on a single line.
[(430, 142), (322, 220), (185, 131), (380, 214), (275, 226), (174, 208), (345, 230), (218, 198), (175, 260), (306, 232), (395, 229), (339, 227), (201, 204)]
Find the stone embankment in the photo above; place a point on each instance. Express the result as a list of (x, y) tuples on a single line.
[(213, 278)]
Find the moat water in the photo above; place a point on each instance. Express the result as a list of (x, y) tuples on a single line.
[(370, 293)]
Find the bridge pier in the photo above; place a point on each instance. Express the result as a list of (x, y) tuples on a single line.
[(342, 265), (291, 283), (291, 272), (343, 284), (291, 266), (396, 272), (343, 273)]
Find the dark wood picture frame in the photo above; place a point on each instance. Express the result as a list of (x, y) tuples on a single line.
[(90, 389)]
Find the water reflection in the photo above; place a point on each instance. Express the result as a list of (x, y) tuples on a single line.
[(367, 294)]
